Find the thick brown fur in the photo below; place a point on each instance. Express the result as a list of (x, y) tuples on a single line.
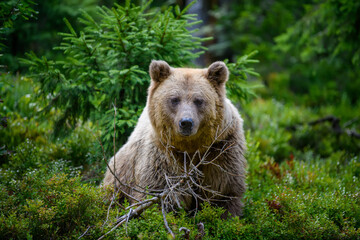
[(157, 145)]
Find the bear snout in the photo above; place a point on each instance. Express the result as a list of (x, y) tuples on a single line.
[(186, 126)]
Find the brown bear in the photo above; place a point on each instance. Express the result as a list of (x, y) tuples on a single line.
[(188, 126)]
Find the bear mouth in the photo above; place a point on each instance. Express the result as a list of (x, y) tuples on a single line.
[(185, 132)]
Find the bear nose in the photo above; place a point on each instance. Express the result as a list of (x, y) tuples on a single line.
[(186, 125)]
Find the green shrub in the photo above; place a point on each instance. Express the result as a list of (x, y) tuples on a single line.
[(33, 26), (105, 65), (42, 199), (323, 47), (22, 110), (238, 88), (282, 129), (19, 110), (54, 207), (11, 11)]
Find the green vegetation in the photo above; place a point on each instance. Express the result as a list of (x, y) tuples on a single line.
[(10, 12), (302, 126), (105, 66), (310, 49)]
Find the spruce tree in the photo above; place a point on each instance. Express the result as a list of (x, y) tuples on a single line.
[(104, 66), (103, 76)]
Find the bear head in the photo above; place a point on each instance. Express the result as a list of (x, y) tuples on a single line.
[(185, 105)]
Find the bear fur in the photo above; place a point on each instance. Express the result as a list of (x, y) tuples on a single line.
[(187, 118)]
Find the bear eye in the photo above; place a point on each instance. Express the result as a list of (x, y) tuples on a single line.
[(199, 102), (175, 101)]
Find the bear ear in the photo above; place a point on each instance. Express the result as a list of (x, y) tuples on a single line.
[(217, 73), (159, 70)]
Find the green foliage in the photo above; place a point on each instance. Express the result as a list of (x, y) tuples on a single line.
[(105, 65), (271, 135), (42, 199), (281, 130), (324, 50), (11, 11), (238, 88), (328, 30), (305, 195), (310, 48), (149, 227), (246, 26), (39, 31), (77, 147), (20, 110)]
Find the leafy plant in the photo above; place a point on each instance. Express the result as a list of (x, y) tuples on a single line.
[(12, 10), (324, 50), (22, 121), (105, 65), (41, 198), (238, 87), (36, 28)]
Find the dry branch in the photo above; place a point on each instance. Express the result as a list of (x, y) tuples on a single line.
[(182, 185)]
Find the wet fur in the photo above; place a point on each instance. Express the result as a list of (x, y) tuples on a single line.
[(144, 159)]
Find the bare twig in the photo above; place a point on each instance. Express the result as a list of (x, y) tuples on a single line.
[(176, 186), (217, 136), (114, 145), (165, 221), (112, 172), (351, 122), (131, 214), (138, 204), (111, 203), (85, 232), (120, 182), (144, 205), (127, 220)]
